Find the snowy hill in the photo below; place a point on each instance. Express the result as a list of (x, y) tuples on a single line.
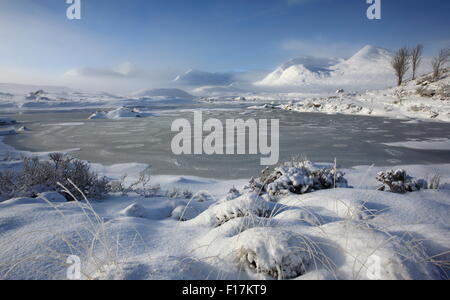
[(424, 99), (301, 70), (368, 68), (28, 97)]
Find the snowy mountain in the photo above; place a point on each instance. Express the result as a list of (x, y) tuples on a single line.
[(301, 70), (370, 64), (201, 78), (369, 67)]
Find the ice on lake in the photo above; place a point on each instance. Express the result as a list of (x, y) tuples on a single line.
[(352, 140)]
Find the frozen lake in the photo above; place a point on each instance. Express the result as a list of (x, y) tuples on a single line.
[(352, 140)]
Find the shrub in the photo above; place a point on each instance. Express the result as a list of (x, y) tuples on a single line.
[(187, 194), (444, 92), (435, 182), (425, 92), (39, 176), (400, 182), (176, 193), (233, 194), (297, 177), (141, 186)]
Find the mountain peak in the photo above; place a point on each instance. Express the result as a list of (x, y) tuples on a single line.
[(370, 52)]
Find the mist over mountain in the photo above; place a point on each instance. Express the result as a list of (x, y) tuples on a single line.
[(202, 78)]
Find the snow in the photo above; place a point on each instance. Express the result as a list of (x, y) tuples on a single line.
[(120, 113), (226, 233), (432, 144), (369, 67), (403, 102), (328, 234)]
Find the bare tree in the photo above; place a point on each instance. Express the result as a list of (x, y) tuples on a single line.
[(400, 62), (439, 62), (416, 58)]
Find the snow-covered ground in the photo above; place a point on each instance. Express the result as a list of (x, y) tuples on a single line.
[(194, 228), (358, 233), (416, 99)]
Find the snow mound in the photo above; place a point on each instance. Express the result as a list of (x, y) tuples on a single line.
[(53, 197), (277, 253), (119, 113), (298, 178), (247, 205), (134, 211)]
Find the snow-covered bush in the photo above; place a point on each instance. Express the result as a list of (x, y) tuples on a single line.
[(248, 205), (435, 182), (233, 194), (400, 182), (201, 196), (444, 92), (39, 176), (425, 92), (297, 177), (141, 186), (119, 113), (35, 96), (273, 252), (176, 193), (187, 194)]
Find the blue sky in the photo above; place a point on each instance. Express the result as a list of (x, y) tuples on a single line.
[(162, 38)]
